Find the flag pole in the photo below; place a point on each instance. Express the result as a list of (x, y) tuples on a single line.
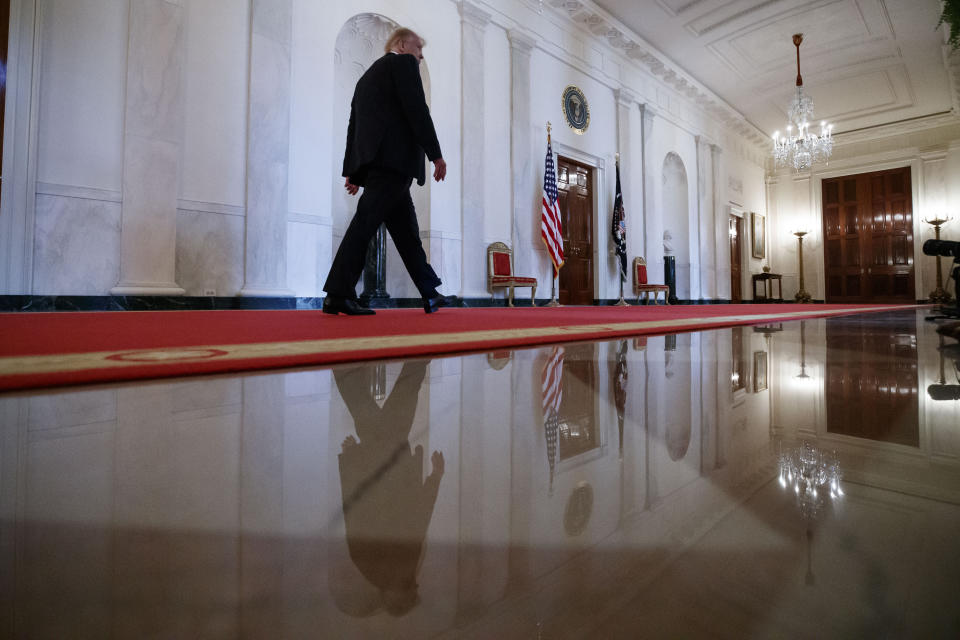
[(553, 268), (621, 302)]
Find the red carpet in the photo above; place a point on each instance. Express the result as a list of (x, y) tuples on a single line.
[(50, 349)]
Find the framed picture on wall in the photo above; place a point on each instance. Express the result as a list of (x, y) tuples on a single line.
[(759, 371), (759, 235)]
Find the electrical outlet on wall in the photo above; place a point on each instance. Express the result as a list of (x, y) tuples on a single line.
[(210, 292)]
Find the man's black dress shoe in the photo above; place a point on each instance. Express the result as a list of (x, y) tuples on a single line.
[(432, 304), (335, 304)]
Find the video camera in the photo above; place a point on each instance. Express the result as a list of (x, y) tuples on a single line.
[(949, 249), (946, 248)]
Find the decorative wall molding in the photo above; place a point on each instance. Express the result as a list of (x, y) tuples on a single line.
[(933, 155), (198, 206), (85, 193), (310, 218), (897, 128), (951, 60), (19, 170), (435, 234)]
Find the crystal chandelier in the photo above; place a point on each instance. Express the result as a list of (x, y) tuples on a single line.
[(801, 147), (812, 474)]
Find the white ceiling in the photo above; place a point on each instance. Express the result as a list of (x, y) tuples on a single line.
[(864, 62)]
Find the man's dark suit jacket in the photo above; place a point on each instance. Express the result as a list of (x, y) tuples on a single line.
[(390, 125)]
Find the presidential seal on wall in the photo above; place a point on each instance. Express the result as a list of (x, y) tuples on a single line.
[(575, 109)]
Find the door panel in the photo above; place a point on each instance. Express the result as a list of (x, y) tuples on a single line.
[(575, 189), (736, 259), (868, 237)]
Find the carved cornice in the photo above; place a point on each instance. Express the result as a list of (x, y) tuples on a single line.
[(604, 26)]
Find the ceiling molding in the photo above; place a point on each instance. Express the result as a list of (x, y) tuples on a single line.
[(896, 128), (633, 47)]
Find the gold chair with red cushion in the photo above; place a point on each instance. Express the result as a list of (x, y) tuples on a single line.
[(500, 272), (644, 288)]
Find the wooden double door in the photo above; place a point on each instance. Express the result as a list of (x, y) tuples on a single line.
[(575, 193), (868, 237)]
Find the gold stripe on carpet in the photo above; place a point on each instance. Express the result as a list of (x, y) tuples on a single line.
[(31, 365)]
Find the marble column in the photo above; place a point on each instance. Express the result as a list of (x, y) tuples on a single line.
[(153, 135), (651, 233), (268, 149), (722, 255), (474, 22), (521, 160), (707, 213)]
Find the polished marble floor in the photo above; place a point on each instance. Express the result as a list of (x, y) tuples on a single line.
[(791, 480)]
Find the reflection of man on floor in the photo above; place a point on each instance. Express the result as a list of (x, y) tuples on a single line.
[(387, 505)]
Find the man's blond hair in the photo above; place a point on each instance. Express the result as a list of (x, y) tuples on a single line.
[(399, 35)]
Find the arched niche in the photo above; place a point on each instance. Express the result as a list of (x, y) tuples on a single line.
[(359, 44), (676, 219)]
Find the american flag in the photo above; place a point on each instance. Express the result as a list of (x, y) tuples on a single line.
[(619, 228), (552, 392), (550, 226)]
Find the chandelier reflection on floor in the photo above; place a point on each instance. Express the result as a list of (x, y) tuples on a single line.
[(800, 147), (812, 474)]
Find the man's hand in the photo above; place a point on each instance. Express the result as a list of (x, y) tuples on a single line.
[(350, 187), (437, 461), (439, 169), (348, 443)]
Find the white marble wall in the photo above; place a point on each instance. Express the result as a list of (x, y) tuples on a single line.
[(77, 245), (164, 124), (308, 254), (210, 251)]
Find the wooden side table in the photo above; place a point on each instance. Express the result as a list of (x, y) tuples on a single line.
[(768, 279)]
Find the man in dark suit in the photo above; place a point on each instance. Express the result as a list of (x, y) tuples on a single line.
[(389, 133)]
